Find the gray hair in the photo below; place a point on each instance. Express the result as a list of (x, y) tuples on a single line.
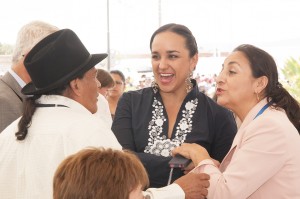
[(28, 36)]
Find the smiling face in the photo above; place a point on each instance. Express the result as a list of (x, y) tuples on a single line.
[(236, 86), (171, 63)]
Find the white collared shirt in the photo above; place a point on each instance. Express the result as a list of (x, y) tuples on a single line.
[(17, 78)]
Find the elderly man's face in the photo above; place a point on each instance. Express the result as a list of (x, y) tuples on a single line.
[(89, 90)]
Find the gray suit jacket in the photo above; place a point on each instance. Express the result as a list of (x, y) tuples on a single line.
[(10, 100)]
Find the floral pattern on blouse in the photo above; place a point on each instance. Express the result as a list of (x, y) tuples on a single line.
[(159, 144)]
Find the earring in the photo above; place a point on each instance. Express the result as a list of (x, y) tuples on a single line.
[(257, 96), (154, 86), (188, 82)]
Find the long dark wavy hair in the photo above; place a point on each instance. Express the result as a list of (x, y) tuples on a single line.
[(263, 64)]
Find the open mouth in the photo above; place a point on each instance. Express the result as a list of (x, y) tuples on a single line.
[(166, 77)]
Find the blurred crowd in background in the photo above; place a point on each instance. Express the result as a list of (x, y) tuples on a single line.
[(206, 82)]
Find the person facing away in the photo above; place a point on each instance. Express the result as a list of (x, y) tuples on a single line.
[(153, 121), (57, 118), (11, 98), (111, 174), (106, 82), (264, 159), (115, 92), (97, 173)]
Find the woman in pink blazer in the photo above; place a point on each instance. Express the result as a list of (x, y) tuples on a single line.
[(264, 159)]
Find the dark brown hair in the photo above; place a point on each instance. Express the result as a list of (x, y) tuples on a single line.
[(117, 72), (99, 173), (263, 64), (105, 78), (182, 30)]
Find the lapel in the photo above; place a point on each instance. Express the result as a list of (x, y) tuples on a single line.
[(240, 134), (10, 81)]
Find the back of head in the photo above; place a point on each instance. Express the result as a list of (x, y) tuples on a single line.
[(99, 173), (105, 78), (28, 36), (263, 64)]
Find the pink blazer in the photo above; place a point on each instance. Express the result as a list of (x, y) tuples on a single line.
[(263, 162)]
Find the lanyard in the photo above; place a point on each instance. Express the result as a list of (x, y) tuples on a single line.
[(49, 105), (262, 109)]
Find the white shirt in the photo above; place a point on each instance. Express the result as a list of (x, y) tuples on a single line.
[(17, 78), (103, 111), (172, 191), (27, 167)]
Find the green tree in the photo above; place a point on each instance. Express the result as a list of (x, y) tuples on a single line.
[(6, 49), (291, 72)]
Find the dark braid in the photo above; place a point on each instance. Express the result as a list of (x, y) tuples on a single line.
[(25, 121), (29, 107), (282, 99)]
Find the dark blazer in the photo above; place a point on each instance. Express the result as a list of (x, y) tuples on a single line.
[(10, 100)]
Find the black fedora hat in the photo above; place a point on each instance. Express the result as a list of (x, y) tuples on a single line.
[(56, 60)]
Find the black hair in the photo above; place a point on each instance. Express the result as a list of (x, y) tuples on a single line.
[(117, 72), (182, 30)]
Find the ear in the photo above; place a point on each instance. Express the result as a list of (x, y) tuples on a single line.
[(75, 87), (194, 61), (261, 84)]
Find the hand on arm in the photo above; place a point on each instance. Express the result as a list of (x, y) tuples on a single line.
[(194, 185), (194, 152)]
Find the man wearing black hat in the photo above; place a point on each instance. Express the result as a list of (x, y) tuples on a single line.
[(57, 119)]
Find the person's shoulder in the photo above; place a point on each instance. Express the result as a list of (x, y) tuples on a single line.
[(275, 118), (7, 79), (4, 86), (77, 120), (7, 86), (273, 123), (8, 97)]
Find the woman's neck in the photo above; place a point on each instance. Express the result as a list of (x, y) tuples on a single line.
[(243, 110)]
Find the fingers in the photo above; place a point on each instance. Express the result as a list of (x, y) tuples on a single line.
[(194, 185), (204, 176), (205, 184), (183, 150), (204, 193)]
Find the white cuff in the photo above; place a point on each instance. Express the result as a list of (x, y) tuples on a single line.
[(172, 191)]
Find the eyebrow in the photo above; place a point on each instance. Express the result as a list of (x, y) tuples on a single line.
[(169, 51), (232, 62), (173, 51)]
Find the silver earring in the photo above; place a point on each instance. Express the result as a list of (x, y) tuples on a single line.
[(188, 82), (154, 86)]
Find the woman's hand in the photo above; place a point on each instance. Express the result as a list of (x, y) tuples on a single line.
[(188, 168), (194, 152)]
